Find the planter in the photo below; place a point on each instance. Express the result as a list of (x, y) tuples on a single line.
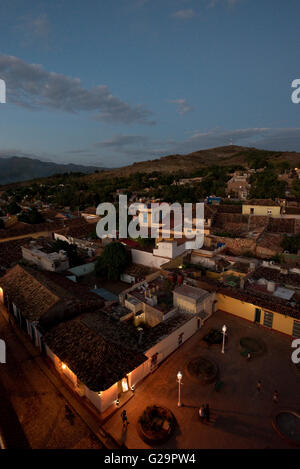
[(156, 425), (254, 346), (214, 337), (203, 370), (287, 424)]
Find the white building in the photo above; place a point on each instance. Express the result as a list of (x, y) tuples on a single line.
[(53, 261)]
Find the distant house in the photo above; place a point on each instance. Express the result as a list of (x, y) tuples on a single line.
[(262, 207), (239, 186), (213, 200), (186, 181), (268, 299), (79, 233), (90, 215), (45, 257), (194, 300), (40, 299)]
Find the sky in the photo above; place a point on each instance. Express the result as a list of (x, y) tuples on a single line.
[(108, 83)]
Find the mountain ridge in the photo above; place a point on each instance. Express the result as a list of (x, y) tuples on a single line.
[(15, 169), (231, 155)]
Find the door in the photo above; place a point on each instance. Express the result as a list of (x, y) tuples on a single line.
[(257, 315)]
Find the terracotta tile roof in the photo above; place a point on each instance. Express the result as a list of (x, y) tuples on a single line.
[(20, 228), (261, 202), (139, 270), (270, 303), (39, 295), (92, 348), (270, 241), (11, 252), (275, 275), (78, 228)]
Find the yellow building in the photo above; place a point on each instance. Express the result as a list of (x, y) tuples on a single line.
[(262, 207), (279, 318)]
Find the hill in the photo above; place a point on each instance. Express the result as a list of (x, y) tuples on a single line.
[(221, 156), (15, 169)]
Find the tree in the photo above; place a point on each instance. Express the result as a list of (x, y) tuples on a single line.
[(112, 262), (13, 208), (71, 250), (291, 243), (32, 216), (296, 188), (265, 185)]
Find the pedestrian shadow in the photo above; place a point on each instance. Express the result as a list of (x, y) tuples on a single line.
[(123, 436)]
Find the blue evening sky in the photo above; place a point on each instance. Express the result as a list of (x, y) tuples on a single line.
[(113, 82)]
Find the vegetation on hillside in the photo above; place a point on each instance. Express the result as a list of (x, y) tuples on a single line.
[(265, 185)]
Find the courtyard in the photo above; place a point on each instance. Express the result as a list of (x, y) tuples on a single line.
[(240, 414)]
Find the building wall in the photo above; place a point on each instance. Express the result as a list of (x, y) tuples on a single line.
[(166, 346), (83, 269), (152, 315), (169, 250), (185, 303), (101, 402), (41, 259), (208, 262), (139, 373), (245, 310), (260, 210), (106, 398), (147, 258)]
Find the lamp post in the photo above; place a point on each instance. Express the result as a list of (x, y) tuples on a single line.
[(179, 378), (224, 329)]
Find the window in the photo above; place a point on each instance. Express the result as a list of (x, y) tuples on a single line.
[(296, 329), (269, 211), (268, 320), (251, 210), (180, 337), (145, 218)]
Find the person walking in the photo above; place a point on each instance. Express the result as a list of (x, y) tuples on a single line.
[(258, 386), (207, 413), (275, 397), (124, 418), (202, 412)]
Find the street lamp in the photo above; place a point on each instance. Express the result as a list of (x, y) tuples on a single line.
[(179, 378), (224, 329)]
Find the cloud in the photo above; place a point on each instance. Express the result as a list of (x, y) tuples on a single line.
[(126, 149), (121, 141), (182, 106), (266, 138), (184, 14), (213, 3), (34, 28), (33, 87)]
